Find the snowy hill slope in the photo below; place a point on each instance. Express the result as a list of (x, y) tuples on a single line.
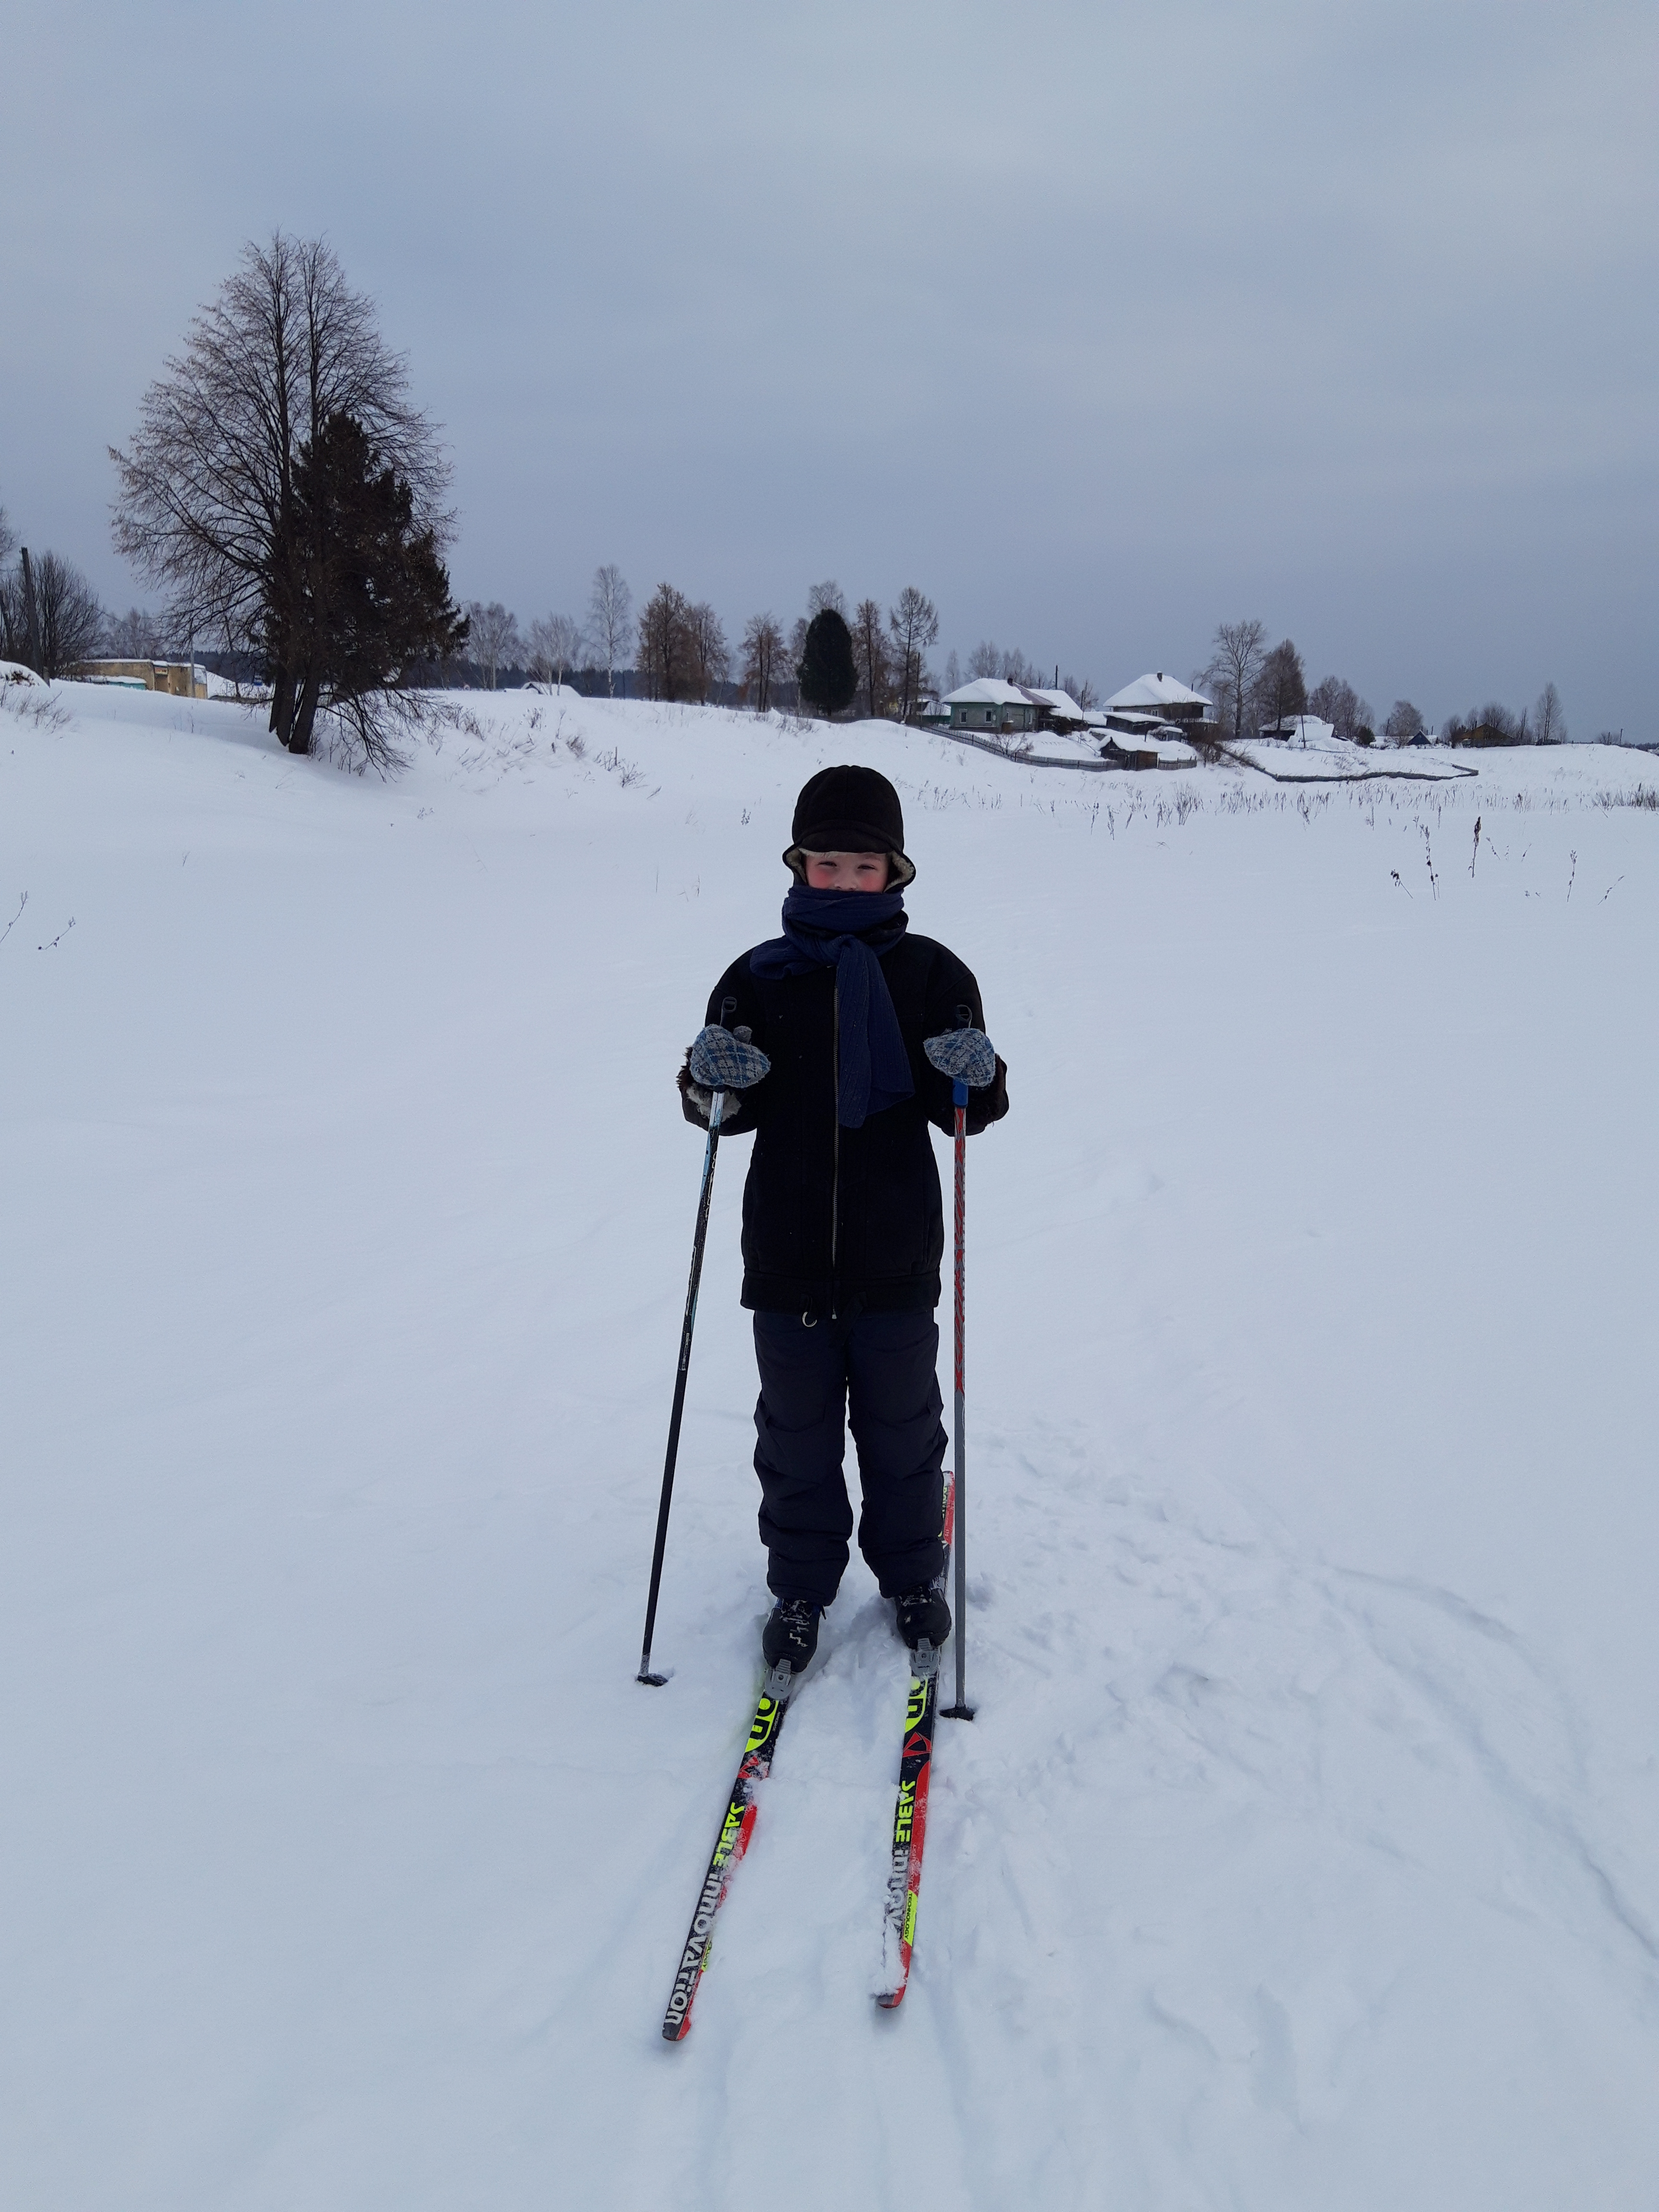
[(1301, 1853)]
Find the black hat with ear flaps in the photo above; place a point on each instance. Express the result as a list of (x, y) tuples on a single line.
[(850, 810)]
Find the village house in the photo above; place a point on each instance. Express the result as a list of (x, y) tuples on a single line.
[(988, 703), (1149, 723), (1057, 710), (177, 677), (1160, 746), (1139, 707), (1299, 730)]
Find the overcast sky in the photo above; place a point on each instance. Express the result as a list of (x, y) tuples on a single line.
[(1101, 324)]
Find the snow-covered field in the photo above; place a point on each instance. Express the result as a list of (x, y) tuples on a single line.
[(1302, 1857)]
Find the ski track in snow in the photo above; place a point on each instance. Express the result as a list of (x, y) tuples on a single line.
[(1301, 1852)]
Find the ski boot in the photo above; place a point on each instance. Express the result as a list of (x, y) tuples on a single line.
[(923, 1616), (791, 1634)]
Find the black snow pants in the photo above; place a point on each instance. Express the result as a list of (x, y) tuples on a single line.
[(885, 1366)]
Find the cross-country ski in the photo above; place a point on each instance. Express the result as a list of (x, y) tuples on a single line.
[(898, 1933), (737, 1825)]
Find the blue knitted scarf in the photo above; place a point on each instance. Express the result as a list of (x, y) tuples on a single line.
[(847, 931)]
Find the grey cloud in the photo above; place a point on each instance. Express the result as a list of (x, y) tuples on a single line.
[(1100, 324)]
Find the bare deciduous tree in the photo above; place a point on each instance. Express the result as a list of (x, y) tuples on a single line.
[(1337, 702), (50, 614), (1280, 691), (135, 635), (1404, 722), (1549, 723), (1238, 650), (609, 621), (911, 627), (493, 639), (1007, 663), (19, 630), (664, 654), (277, 456), (872, 659), (1080, 689), (710, 656), (14, 628), (762, 661), (555, 641)]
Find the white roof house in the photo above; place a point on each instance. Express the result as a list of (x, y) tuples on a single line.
[(1160, 746), (988, 703), (986, 692), (1059, 705), (1160, 691), (1302, 729)]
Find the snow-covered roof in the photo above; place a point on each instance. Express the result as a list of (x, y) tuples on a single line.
[(1307, 727), (991, 691), (1056, 703), (986, 692), (1159, 690), (1166, 739)]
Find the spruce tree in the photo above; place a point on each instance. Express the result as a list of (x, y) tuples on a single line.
[(361, 593), (827, 676)]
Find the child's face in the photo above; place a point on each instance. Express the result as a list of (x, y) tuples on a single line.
[(847, 872)]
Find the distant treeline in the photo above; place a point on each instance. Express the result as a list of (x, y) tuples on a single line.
[(288, 498), (1260, 689)]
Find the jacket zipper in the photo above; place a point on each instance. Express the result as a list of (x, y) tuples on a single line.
[(835, 1170)]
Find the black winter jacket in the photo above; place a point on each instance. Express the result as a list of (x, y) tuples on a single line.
[(838, 1222)]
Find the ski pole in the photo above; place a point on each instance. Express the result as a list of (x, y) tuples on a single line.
[(728, 1006), (962, 1711)]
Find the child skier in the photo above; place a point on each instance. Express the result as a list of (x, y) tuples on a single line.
[(836, 1045)]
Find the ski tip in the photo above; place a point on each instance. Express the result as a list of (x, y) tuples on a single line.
[(890, 2000), (652, 1681)]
